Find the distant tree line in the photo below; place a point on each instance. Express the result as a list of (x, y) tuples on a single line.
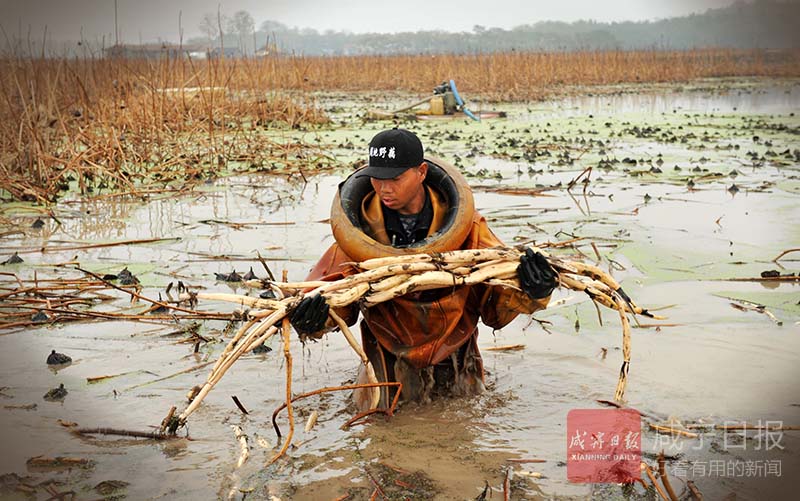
[(760, 24)]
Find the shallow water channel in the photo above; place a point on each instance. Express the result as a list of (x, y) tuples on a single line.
[(673, 245)]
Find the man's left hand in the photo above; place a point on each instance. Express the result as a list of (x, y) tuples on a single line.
[(310, 314)]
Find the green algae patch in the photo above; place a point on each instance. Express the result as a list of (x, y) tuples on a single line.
[(700, 261)]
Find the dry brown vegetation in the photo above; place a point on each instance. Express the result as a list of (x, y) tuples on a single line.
[(124, 124), (529, 76)]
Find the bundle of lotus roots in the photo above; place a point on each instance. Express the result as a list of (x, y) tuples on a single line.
[(384, 279)]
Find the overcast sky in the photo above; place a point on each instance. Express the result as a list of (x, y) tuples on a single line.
[(151, 20)]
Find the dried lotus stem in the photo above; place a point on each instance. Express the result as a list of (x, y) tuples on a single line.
[(298, 286), (425, 281), (375, 395), (626, 349), (351, 340), (502, 270), (387, 278), (375, 274), (389, 282), (459, 256), (252, 302), (286, 329), (224, 364)]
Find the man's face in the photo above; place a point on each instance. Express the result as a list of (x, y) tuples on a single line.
[(405, 193)]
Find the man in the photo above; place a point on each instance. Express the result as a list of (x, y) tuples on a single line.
[(426, 340)]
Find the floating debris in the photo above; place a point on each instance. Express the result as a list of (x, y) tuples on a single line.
[(312, 420), (59, 462), (40, 316), (232, 277), (509, 347), (192, 393), (778, 274), (108, 487), (13, 482), (14, 259), (482, 495), (127, 278), (744, 305), (261, 349), (24, 407), (56, 358), (250, 275), (56, 394)]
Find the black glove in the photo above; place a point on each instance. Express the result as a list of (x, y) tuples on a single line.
[(537, 277), (310, 314)]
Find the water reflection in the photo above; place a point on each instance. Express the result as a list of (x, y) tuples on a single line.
[(772, 99)]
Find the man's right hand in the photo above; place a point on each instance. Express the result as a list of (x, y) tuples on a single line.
[(310, 314), (536, 276)]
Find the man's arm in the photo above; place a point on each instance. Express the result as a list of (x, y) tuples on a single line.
[(500, 305)]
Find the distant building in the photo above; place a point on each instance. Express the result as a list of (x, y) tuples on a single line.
[(155, 51), (227, 52), (269, 49)]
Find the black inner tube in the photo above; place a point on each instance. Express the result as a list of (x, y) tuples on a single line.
[(353, 190)]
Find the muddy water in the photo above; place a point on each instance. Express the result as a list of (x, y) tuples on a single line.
[(672, 247)]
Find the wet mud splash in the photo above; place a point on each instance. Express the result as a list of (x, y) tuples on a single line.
[(690, 197)]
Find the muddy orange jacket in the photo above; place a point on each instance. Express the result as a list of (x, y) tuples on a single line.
[(425, 327)]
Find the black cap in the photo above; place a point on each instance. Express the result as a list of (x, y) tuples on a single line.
[(391, 153)]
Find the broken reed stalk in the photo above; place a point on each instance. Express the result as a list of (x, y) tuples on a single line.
[(695, 492), (286, 329), (655, 483), (165, 422), (379, 282), (154, 435), (388, 412), (54, 296), (662, 472), (775, 260), (244, 451), (626, 348)]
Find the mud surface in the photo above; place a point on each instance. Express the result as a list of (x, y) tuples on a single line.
[(689, 188)]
